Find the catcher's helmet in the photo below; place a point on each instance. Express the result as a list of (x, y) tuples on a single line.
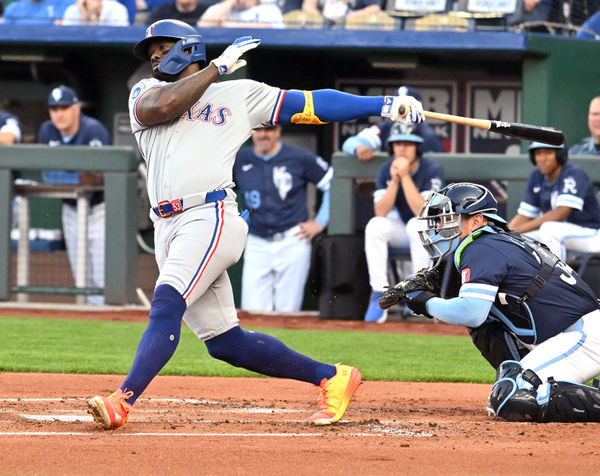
[(402, 133), (188, 49), (561, 152), (439, 217)]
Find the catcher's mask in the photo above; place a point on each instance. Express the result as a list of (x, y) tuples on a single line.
[(440, 217), (188, 49)]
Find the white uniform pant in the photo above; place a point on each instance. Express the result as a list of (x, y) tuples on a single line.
[(383, 232), (573, 355), (275, 272), (561, 236), (94, 257), (193, 251)]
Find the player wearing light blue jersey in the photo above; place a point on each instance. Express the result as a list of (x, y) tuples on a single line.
[(189, 128), (537, 299), (560, 207), (272, 177)]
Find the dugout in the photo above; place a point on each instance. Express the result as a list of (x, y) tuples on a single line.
[(517, 77)]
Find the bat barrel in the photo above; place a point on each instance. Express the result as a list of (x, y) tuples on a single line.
[(528, 132)]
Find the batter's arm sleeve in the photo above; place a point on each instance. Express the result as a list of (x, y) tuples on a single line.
[(326, 105)]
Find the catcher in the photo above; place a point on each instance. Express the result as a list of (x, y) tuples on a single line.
[(510, 285)]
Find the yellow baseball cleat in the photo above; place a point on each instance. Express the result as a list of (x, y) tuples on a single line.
[(336, 394), (112, 411)]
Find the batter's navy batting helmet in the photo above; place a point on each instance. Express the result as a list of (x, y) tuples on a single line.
[(402, 133), (441, 213), (188, 49), (561, 151)]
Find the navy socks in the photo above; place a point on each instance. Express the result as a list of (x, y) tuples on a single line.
[(159, 341), (266, 355)]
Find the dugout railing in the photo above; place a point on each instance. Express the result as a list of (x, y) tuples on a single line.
[(119, 166)]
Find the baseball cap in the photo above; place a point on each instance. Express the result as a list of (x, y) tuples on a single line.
[(408, 91), (62, 96)]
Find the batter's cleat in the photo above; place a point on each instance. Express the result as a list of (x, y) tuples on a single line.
[(374, 312), (112, 411), (335, 394)]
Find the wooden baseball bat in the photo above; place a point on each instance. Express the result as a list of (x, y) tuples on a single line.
[(545, 135)]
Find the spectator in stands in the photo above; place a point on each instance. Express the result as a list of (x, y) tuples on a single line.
[(35, 12), (535, 10), (68, 126), (273, 177), (401, 188), (188, 11), (364, 144), (96, 12), (131, 7), (590, 30), (560, 207), (590, 145), (337, 11), (242, 14)]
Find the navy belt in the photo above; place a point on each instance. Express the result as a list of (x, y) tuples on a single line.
[(167, 209)]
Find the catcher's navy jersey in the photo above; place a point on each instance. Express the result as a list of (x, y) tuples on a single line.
[(571, 189), (498, 267), (276, 187), (428, 177)]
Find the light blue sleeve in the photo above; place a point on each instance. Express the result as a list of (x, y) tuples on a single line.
[(350, 144), (460, 311), (322, 217)]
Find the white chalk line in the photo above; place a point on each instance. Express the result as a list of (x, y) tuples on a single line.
[(204, 435)]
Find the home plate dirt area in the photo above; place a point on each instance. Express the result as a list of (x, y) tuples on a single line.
[(208, 425)]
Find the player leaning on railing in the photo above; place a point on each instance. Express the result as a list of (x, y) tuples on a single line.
[(189, 129)]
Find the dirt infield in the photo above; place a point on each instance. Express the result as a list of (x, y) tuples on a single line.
[(194, 425)]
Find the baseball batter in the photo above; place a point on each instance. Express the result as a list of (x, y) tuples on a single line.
[(560, 207), (189, 128), (535, 297), (68, 126), (273, 177)]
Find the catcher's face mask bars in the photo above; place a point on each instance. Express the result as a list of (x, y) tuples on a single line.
[(439, 227)]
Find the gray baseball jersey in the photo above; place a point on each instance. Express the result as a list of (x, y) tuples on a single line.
[(190, 155)]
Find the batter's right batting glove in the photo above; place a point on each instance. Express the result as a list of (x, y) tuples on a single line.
[(230, 61), (412, 112)]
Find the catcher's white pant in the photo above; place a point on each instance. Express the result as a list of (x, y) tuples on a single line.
[(275, 272), (573, 355), (193, 251), (561, 236), (95, 245), (382, 232)]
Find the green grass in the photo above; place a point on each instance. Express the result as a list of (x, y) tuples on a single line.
[(104, 347)]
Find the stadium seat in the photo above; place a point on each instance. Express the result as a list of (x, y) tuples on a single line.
[(371, 21), (410, 9), (302, 20)]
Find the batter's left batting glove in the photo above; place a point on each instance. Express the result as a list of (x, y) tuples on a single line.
[(230, 61), (411, 113)]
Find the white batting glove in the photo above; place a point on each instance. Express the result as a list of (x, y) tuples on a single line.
[(412, 112), (230, 61)]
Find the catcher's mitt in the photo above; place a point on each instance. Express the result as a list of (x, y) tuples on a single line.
[(425, 280)]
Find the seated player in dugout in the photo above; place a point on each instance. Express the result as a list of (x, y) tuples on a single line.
[(546, 342), (189, 128), (401, 188), (560, 207)]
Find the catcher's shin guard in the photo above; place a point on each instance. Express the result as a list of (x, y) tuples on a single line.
[(542, 403)]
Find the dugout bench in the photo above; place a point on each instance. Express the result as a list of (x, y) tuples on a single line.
[(351, 192)]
